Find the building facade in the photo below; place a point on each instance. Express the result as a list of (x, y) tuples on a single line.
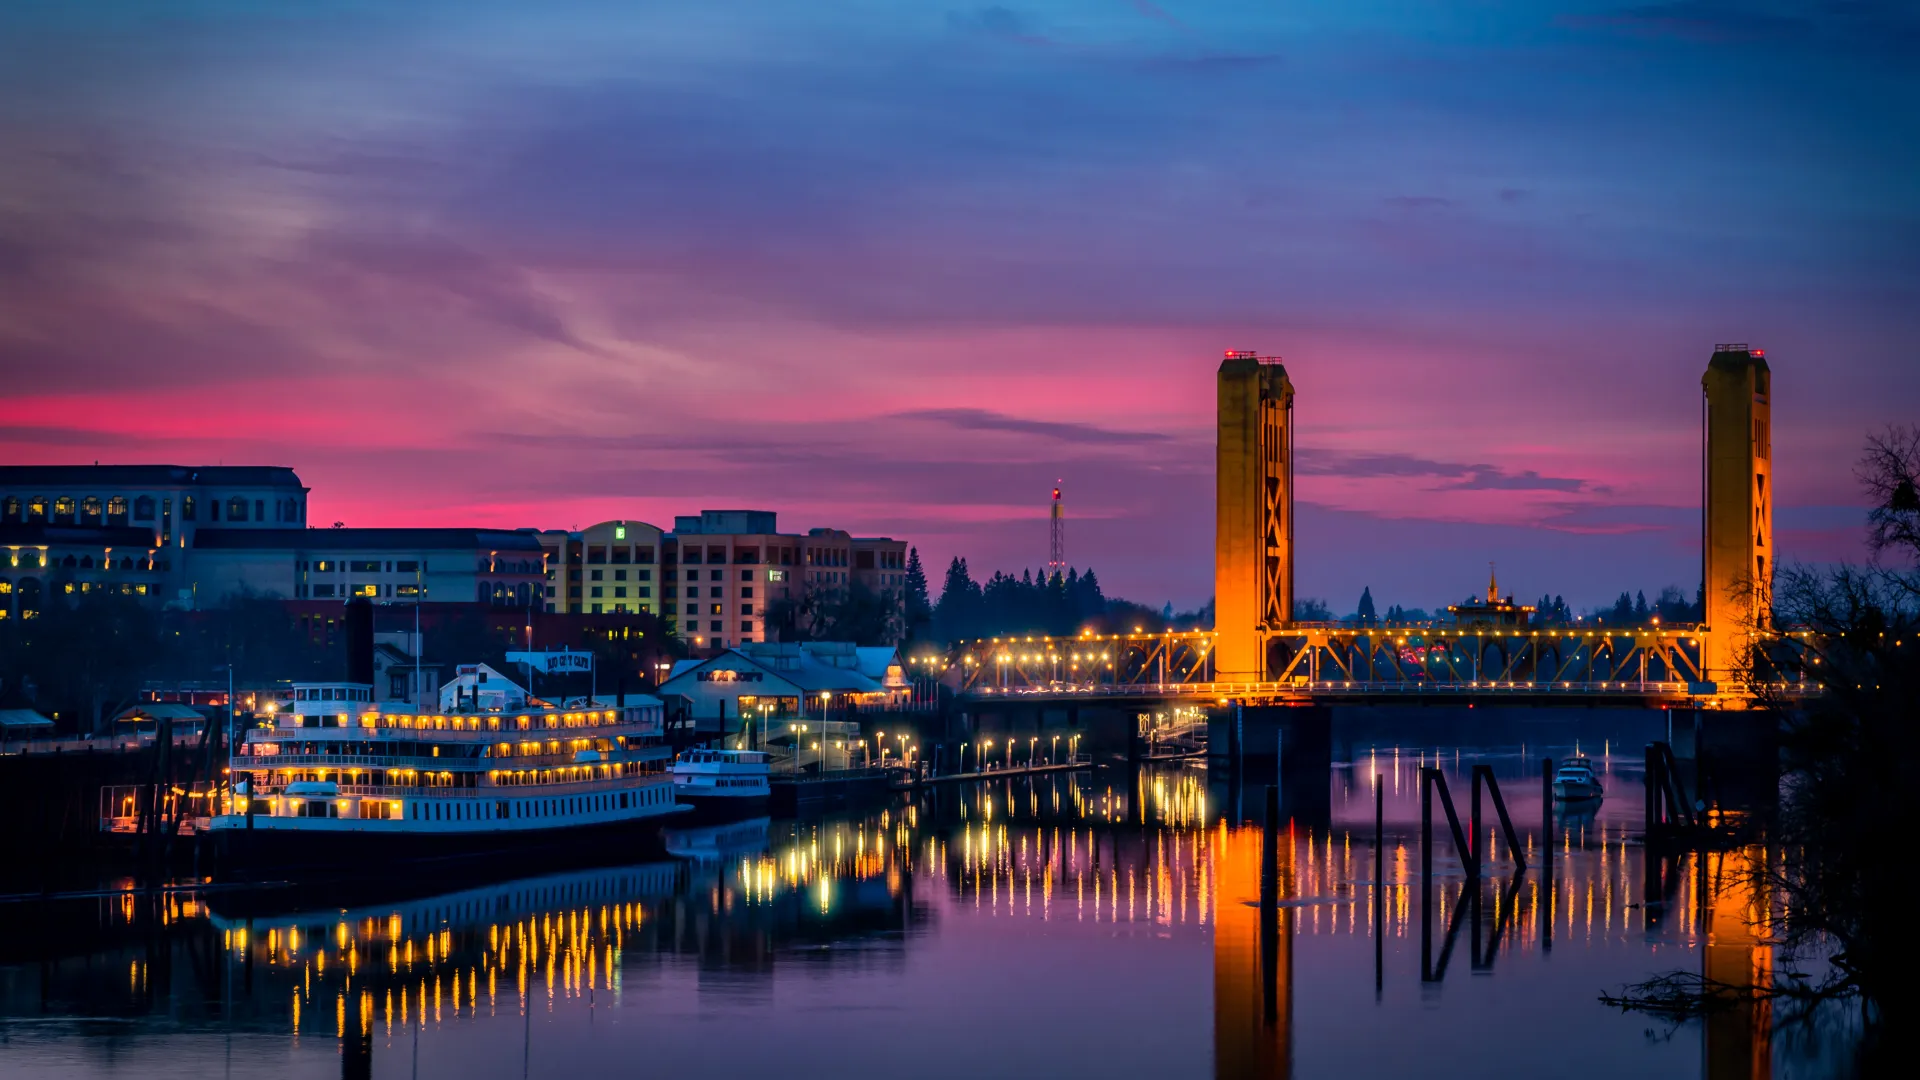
[(490, 567), (610, 568), (127, 528)]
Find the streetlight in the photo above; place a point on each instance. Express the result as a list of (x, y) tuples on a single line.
[(1053, 755), (961, 765), (1031, 743), (980, 756)]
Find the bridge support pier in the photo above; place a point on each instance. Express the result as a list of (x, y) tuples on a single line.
[(1257, 745)]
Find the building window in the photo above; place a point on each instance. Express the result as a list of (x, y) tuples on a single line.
[(716, 592), (693, 575), (186, 508), (236, 509), (716, 609), (117, 510), (746, 627), (364, 566), (366, 590), (90, 511), (598, 592), (619, 575), (549, 596), (406, 590), (143, 508), (714, 626), (619, 592), (63, 508), (746, 592), (596, 575), (716, 554), (746, 575), (643, 591), (410, 566), (746, 609), (643, 575), (259, 509), (11, 512), (644, 554), (322, 590), (596, 609)]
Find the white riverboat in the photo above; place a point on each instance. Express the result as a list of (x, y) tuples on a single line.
[(338, 782), (722, 783)]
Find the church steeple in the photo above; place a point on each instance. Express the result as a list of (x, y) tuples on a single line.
[(1493, 586)]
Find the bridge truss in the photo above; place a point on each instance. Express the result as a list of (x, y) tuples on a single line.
[(1315, 660)]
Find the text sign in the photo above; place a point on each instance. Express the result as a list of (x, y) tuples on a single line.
[(728, 676), (553, 663)]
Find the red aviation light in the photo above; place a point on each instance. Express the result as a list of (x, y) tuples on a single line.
[(1056, 494)]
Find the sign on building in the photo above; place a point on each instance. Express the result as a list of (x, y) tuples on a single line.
[(553, 663)]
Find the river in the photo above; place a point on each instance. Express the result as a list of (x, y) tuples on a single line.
[(1067, 925)]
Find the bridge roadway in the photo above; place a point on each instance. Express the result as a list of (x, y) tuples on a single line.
[(1650, 694), (1655, 666)]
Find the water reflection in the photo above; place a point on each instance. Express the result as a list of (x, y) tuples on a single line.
[(1090, 903)]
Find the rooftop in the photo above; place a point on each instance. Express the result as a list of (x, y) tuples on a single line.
[(367, 540), (149, 475)]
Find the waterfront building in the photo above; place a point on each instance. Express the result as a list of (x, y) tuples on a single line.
[(611, 568), (1493, 612), (776, 683)]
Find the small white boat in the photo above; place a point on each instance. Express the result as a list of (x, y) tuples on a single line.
[(1576, 780), (722, 783)]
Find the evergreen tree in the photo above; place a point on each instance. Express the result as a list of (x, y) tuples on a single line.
[(1366, 611), (1622, 613), (919, 605), (1640, 612)]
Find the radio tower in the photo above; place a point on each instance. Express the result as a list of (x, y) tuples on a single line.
[(1056, 544)]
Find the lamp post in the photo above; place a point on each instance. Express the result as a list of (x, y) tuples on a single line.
[(1031, 744), (961, 765), (1053, 754), (980, 756)]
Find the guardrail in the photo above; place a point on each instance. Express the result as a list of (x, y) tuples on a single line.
[(1343, 687)]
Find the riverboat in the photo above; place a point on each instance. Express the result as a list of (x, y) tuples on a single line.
[(721, 784), (1576, 780), (337, 782)]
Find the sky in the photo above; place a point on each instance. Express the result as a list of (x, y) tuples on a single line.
[(897, 268)]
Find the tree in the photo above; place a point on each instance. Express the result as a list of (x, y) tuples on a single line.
[(1366, 611), (1310, 609), (1640, 612), (919, 613), (1847, 757)]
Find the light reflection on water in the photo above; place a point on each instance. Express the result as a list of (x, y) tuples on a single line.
[(1061, 926)]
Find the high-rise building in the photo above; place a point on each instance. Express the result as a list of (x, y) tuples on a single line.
[(1737, 545), (1253, 513), (614, 567)]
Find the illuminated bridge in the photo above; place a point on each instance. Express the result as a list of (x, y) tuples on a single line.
[(1656, 665), (1258, 653)]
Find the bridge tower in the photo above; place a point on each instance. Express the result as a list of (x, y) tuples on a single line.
[(1253, 513), (1737, 515)]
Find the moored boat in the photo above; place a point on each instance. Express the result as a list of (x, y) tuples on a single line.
[(721, 784), (1575, 780)]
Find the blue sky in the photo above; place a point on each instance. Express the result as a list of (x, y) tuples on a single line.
[(897, 268)]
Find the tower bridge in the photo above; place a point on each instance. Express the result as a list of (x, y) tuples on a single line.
[(1258, 653)]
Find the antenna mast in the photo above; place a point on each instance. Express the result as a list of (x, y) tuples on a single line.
[(1056, 544)]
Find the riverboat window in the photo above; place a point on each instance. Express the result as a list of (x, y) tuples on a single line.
[(236, 509)]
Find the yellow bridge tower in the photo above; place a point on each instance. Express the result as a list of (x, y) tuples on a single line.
[(1253, 514), (1737, 515)]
